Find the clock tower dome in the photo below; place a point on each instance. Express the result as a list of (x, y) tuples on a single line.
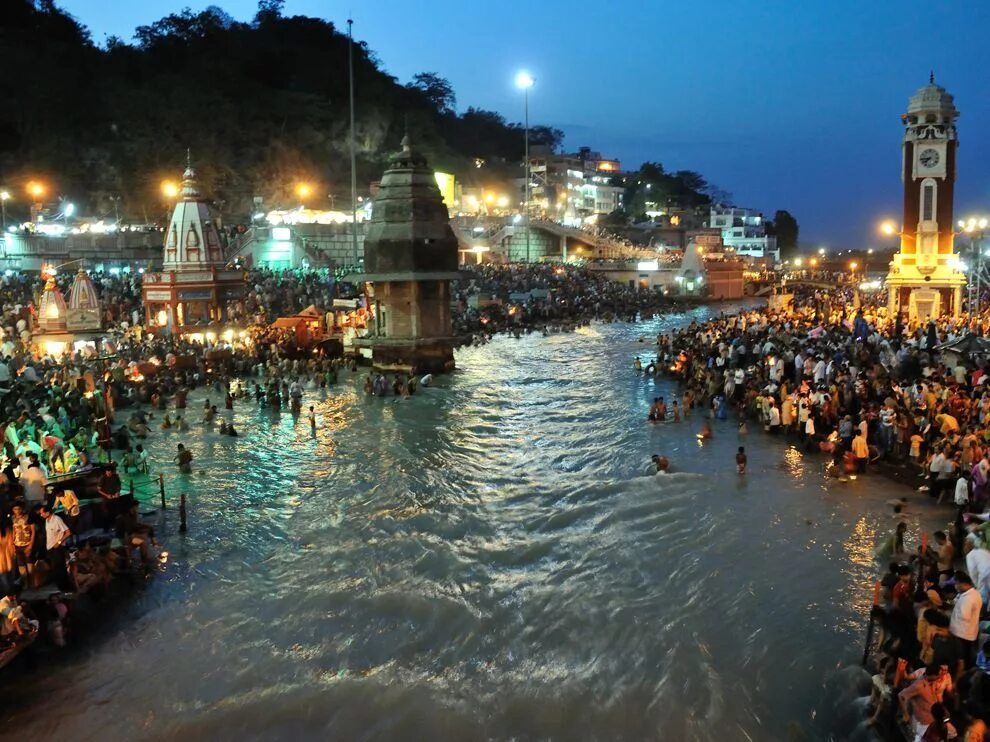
[(924, 279)]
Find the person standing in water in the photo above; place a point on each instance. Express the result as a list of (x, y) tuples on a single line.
[(184, 459), (312, 420), (741, 460)]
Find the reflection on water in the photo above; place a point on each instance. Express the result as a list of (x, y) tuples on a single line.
[(489, 559)]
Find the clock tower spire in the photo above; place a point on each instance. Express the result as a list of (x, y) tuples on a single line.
[(924, 279)]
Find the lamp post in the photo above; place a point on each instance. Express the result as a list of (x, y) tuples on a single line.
[(525, 81), (36, 191), (350, 76)]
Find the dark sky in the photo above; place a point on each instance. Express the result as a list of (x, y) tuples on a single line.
[(784, 104)]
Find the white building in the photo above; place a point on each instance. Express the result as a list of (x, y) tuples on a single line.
[(744, 230)]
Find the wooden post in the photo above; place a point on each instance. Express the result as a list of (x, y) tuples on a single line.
[(869, 626), (161, 488), (182, 513)]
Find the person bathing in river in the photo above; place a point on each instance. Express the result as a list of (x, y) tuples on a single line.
[(658, 411), (661, 463), (706, 431), (741, 460), (184, 459)]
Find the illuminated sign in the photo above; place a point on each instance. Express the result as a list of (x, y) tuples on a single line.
[(648, 265), (445, 182)]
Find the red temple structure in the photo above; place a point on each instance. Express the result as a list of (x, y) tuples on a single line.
[(191, 290)]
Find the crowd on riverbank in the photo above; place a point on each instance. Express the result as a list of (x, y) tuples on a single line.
[(875, 396)]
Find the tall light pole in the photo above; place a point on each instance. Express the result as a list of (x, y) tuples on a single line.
[(350, 74), (4, 196), (525, 81)]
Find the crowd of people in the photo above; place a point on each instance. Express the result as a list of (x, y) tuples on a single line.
[(870, 392), (876, 396)]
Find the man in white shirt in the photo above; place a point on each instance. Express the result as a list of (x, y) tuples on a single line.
[(978, 567), (56, 534), (34, 480), (965, 621)]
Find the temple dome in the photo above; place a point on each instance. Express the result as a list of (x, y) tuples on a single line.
[(84, 313), (409, 230), (83, 294), (192, 241), (52, 310)]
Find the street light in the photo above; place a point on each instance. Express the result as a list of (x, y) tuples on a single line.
[(888, 228), (35, 190), (821, 250), (169, 189), (525, 81), (303, 190)]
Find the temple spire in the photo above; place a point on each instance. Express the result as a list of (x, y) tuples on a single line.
[(931, 77)]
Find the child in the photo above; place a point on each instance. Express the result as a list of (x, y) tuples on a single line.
[(677, 412), (312, 419), (741, 460)]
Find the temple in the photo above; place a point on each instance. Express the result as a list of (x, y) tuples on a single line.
[(71, 326), (191, 290), (410, 256)]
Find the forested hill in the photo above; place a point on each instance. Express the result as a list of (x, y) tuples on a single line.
[(262, 105)]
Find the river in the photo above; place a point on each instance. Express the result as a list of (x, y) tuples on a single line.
[(487, 560)]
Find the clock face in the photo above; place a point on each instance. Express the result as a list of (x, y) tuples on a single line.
[(928, 158)]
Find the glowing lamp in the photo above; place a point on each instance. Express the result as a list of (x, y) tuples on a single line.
[(524, 80), (162, 317), (169, 189)]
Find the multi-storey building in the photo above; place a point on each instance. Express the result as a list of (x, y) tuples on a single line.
[(744, 231)]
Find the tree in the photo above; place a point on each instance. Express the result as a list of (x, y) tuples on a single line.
[(785, 227), (547, 136), (268, 11), (437, 90)]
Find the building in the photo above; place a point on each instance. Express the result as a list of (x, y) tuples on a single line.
[(194, 286), (410, 257), (573, 187), (744, 232), (925, 279)]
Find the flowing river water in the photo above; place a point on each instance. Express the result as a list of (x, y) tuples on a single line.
[(489, 559)]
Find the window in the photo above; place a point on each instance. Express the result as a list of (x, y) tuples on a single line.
[(927, 201)]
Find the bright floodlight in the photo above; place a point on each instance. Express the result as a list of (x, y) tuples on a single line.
[(888, 228), (982, 224), (169, 189), (70, 209), (524, 80), (4, 195)]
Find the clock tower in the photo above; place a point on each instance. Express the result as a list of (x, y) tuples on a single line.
[(925, 280)]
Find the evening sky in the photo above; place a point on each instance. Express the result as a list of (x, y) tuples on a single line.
[(786, 105)]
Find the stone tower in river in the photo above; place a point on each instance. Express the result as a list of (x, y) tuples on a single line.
[(410, 255)]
